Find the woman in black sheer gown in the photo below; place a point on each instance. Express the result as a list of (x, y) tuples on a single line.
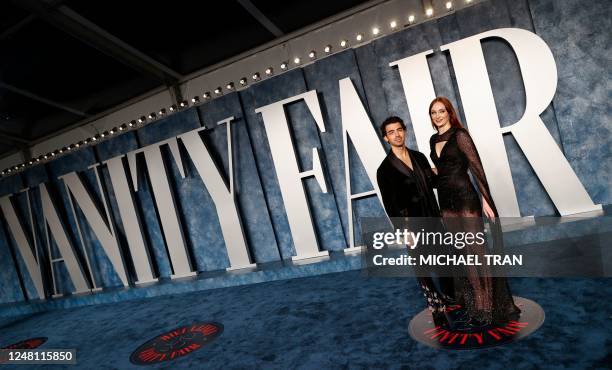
[(485, 299)]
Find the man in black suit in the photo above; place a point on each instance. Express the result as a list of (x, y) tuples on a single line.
[(406, 183), (405, 179)]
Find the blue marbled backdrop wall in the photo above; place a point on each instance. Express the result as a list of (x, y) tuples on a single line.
[(578, 119)]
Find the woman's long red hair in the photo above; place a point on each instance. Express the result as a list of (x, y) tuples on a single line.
[(452, 114)]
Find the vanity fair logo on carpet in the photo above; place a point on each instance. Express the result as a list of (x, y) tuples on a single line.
[(28, 343), (485, 338), (176, 343), (422, 329), (539, 75)]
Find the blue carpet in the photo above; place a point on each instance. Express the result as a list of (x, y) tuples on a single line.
[(340, 320)]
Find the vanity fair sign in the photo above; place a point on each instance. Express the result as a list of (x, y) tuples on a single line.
[(134, 261)]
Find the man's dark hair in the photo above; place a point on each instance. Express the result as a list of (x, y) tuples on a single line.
[(388, 121)]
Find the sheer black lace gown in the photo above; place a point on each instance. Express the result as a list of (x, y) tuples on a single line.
[(485, 299)]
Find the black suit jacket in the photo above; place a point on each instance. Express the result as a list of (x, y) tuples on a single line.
[(405, 192)]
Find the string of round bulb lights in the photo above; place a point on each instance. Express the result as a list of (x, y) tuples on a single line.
[(328, 49)]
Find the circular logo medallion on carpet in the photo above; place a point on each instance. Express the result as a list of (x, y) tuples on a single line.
[(28, 343), (176, 343), (422, 329)]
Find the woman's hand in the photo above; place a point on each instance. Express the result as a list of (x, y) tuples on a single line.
[(487, 210)]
